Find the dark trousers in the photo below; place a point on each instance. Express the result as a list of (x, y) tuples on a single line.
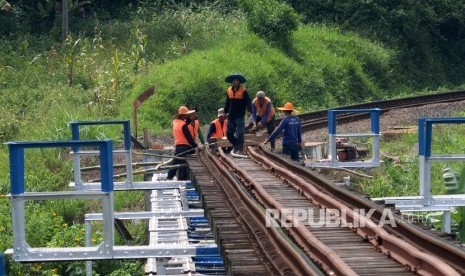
[(270, 127), (182, 172), (291, 149), (235, 132)]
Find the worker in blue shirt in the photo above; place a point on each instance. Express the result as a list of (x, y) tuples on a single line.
[(292, 139)]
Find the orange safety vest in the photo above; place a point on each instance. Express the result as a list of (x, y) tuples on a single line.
[(239, 94), (220, 132), (179, 137), (261, 110), (196, 128)]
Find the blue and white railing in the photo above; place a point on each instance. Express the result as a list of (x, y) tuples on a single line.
[(129, 184), (22, 251), (425, 201), (75, 132), (333, 134)]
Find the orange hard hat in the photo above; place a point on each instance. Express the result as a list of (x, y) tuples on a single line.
[(287, 107), (184, 110)]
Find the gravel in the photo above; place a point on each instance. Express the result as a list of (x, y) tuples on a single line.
[(393, 118)]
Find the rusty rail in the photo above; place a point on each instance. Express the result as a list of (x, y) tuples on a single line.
[(318, 119), (282, 253), (326, 257), (416, 250), (443, 251)]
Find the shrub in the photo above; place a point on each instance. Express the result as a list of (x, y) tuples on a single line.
[(275, 21)]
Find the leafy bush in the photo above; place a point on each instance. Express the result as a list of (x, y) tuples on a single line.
[(272, 20), (119, 268), (6, 237)]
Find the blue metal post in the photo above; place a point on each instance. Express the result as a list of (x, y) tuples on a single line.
[(423, 162), (331, 133), (421, 136), (127, 135), (375, 114), (2, 264), (332, 122), (106, 160), (428, 138), (75, 134), (16, 169)]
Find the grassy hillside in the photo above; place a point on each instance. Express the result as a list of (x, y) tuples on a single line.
[(325, 68)]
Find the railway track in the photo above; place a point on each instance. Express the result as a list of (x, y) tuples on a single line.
[(250, 187), (318, 119), (248, 247), (239, 195)]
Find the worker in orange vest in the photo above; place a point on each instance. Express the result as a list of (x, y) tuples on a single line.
[(184, 142), (196, 125), (263, 114), (218, 127), (237, 101)]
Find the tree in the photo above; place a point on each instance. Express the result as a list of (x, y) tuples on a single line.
[(5, 6), (64, 21)]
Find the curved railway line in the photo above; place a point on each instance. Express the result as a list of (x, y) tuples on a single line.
[(248, 186), (238, 195), (318, 119)]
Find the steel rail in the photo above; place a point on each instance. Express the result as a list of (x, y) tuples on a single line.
[(281, 252), (402, 251), (318, 119), (445, 251), (326, 257)]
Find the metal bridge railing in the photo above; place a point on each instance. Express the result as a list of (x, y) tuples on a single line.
[(22, 251), (128, 184), (425, 201), (375, 137), (75, 132)]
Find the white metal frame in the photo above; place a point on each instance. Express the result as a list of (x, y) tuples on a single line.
[(128, 184), (426, 202), (75, 127), (23, 252), (375, 136)]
